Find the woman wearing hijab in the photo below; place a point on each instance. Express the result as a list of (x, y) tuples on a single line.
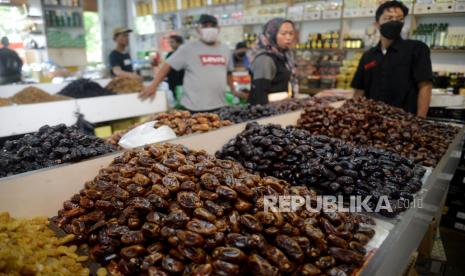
[(273, 68)]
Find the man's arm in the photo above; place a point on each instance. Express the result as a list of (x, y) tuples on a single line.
[(121, 73), (238, 94), (150, 90), (424, 98)]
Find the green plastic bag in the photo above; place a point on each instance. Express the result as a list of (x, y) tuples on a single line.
[(233, 100), (178, 91)]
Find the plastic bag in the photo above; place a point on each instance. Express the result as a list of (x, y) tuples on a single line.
[(83, 125), (146, 134)]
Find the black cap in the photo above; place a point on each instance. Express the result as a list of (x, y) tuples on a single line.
[(241, 45), (206, 18)]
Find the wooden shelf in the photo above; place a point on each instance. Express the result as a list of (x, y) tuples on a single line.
[(57, 7), (452, 14), (448, 51)]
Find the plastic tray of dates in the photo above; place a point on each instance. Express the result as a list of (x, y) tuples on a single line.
[(330, 166), (167, 210), (367, 122), (50, 146), (181, 122)]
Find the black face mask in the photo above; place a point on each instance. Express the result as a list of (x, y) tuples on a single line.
[(392, 29), (240, 55)]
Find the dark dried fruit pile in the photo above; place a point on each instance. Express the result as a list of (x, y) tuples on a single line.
[(367, 122), (289, 105), (48, 147), (239, 114), (181, 122), (328, 165), (166, 210), (84, 88)]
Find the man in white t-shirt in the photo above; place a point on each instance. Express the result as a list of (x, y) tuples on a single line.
[(208, 66)]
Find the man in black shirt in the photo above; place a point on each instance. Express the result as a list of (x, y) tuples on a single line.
[(175, 77), (10, 64), (120, 61), (397, 71)]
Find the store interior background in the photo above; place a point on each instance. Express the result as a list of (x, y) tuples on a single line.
[(60, 44)]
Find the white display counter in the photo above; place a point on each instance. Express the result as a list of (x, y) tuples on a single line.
[(26, 118)]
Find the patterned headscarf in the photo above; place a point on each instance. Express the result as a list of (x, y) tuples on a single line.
[(267, 43)]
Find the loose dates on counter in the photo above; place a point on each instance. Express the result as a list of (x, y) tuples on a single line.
[(167, 210), (367, 122), (328, 165)]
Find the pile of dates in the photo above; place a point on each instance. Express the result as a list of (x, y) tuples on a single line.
[(367, 122), (125, 85), (185, 123), (182, 123), (50, 146), (240, 114), (167, 210), (330, 166)]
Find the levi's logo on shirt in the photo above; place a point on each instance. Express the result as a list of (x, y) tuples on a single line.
[(370, 65), (212, 60)]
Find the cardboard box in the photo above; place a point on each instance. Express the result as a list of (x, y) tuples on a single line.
[(410, 270), (427, 243)]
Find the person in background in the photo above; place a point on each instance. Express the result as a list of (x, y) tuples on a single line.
[(175, 77), (208, 66), (10, 64), (397, 71), (240, 55), (273, 68), (120, 61)]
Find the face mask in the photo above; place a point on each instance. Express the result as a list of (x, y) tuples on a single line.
[(209, 35), (391, 30), (241, 54)]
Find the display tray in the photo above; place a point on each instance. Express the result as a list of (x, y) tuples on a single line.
[(42, 192), (20, 119)]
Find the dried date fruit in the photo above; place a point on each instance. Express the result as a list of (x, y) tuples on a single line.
[(229, 254), (49, 146), (214, 223), (189, 200), (346, 256), (257, 265), (380, 125), (329, 165), (223, 268)]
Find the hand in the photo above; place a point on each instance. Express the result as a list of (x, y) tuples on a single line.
[(243, 94), (148, 92)]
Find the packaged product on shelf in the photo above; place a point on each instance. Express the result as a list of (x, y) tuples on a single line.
[(124, 85), (165, 210), (32, 94), (29, 247), (330, 166), (84, 88), (347, 71), (367, 122), (48, 147)]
